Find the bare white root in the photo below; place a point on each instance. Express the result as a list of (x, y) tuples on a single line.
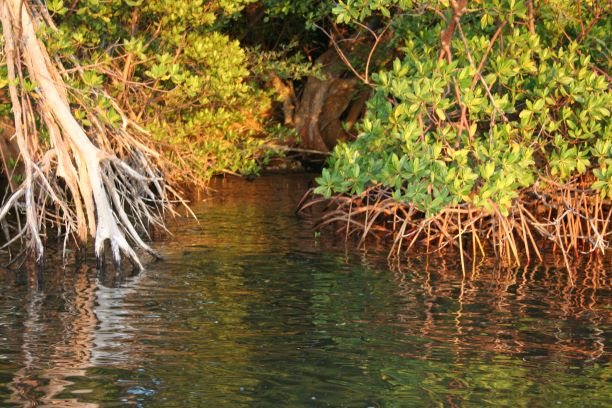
[(95, 181)]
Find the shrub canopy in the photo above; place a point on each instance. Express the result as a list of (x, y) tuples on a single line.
[(482, 100)]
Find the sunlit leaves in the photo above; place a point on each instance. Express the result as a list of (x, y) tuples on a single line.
[(92, 79), (534, 95), (604, 181), (172, 65), (56, 7)]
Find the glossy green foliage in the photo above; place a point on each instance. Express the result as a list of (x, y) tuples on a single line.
[(507, 110), (173, 68)]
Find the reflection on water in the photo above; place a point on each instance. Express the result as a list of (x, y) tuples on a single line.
[(250, 309), (56, 339)]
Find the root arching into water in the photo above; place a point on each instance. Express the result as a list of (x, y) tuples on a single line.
[(88, 178), (569, 219)]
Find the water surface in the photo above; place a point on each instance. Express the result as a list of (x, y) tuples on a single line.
[(250, 308)]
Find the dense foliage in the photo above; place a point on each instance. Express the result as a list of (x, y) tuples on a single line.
[(519, 98), (172, 67), (472, 106)]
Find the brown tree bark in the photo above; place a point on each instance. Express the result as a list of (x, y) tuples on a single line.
[(458, 8), (324, 102)]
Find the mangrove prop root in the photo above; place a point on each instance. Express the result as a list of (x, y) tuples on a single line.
[(572, 218), (97, 181)]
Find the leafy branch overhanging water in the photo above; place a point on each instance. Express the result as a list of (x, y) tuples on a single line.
[(490, 129)]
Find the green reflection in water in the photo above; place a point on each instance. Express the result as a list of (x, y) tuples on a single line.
[(249, 309)]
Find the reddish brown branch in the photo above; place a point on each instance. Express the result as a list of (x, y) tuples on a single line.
[(458, 8), (532, 16)]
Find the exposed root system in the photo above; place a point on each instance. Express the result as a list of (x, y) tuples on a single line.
[(571, 219), (86, 178)]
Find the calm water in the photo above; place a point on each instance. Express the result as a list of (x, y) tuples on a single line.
[(251, 309)]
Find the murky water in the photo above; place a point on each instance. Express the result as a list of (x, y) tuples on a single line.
[(251, 309)]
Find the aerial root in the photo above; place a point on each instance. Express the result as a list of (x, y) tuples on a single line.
[(570, 219)]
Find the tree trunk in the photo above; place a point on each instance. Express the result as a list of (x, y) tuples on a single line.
[(324, 103)]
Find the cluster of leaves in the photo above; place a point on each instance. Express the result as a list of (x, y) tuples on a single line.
[(511, 106), (173, 68)]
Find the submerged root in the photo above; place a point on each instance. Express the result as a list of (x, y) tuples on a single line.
[(570, 219)]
